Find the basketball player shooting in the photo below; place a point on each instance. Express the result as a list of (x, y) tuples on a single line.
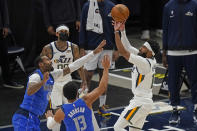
[(140, 106)]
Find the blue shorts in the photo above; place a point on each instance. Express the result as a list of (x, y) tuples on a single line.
[(24, 122)]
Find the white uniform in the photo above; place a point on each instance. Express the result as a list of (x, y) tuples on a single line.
[(140, 106), (60, 60), (96, 62)]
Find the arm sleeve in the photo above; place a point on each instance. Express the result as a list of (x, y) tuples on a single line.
[(34, 78), (80, 62), (127, 44), (57, 73), (51, 122), (4, 11), (165, 28), (82, 33), (46, 13), (142, 64)]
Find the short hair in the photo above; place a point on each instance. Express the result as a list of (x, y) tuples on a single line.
[(37, 61), (70, 90), (154, 45)]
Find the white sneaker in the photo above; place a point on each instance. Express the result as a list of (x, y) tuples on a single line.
[(159, 33), (145, 35)]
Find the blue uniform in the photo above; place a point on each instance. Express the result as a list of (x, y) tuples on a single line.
[(26, 117), (179, 34), (78, 116)]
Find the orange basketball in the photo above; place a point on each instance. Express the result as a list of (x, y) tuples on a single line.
[(120, 13)]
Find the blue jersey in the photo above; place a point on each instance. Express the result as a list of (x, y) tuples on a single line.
[(78, 116), (37, 103)]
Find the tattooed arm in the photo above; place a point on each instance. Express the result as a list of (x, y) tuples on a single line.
[(80, 70), (47, 51)]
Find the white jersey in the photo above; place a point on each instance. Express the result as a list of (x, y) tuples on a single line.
[(62, 59), (142, 80), (143, 70)]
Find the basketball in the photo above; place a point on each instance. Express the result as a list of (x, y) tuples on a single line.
[(120, 13)]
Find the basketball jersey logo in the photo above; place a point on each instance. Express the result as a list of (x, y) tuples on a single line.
[(62, 59), (62, 62)]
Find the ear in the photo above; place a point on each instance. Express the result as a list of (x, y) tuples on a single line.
[(40, 64), (57, 34), (149, 54)]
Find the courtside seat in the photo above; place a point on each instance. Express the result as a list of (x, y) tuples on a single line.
[(15, 51)]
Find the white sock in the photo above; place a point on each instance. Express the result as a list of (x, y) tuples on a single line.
[(174, 107), (102, 100), (195, 106)]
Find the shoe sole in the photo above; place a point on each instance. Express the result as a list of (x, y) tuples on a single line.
[(13, 87), (175, 122)]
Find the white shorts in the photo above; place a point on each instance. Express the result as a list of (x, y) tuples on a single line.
[(57, 96), (96, 62), (134, 114)]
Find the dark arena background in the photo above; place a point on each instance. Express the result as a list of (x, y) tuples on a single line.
[(28, 28)]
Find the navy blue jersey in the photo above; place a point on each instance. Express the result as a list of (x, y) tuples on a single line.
[(78, 116)]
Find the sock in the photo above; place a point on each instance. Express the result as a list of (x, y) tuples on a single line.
[(174, 107), (102, 100), (195, 106)]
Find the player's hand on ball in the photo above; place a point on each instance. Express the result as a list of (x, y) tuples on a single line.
[(106, 62), (100, 47), (118, 26)]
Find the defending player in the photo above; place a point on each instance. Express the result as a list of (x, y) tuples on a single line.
[(135, 113), (62, 53), (77, 115), (39, 84)]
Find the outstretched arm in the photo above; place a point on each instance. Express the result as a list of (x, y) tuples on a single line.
[(118, 41), (80, 70), (93, 96), (127, 44), (81, 61)]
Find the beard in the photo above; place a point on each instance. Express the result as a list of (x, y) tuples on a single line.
[(142, 54), (49, 68)]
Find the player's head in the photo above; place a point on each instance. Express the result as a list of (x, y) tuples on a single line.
[(62, 32), (149, 49), (43, 63), (70, 90)]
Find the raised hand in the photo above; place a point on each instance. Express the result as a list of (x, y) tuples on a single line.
[(106, 62), (118, 26), (50, 30), (49, 114), (100, 47), (45, 77)]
